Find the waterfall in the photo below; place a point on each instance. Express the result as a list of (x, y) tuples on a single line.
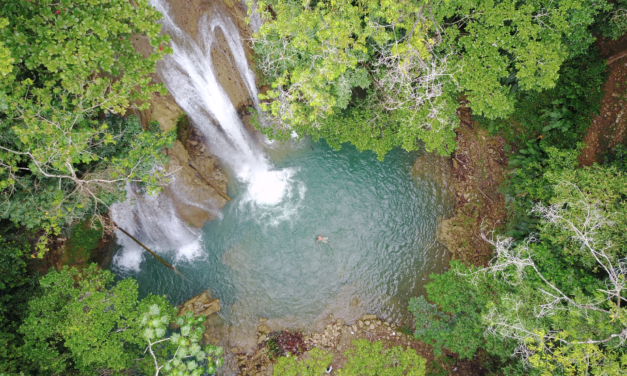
[(153, 220), (190, 77)]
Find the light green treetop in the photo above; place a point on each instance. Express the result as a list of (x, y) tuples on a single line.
[(83, 321), (5, 55)]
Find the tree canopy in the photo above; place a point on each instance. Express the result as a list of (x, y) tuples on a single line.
[(65, 69), (554, 299), (386, 74), (81, 321)]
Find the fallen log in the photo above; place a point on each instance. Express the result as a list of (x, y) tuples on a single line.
[(616, 57), (147, 249)]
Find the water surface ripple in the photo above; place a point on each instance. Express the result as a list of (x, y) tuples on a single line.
[(264, 261)]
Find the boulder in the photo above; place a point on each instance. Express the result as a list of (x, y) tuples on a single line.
[(264, 329), (200, 305)]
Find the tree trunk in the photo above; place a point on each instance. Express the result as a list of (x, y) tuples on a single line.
[(616, 57), (146, 248)]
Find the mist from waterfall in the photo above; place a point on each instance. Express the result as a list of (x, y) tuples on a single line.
[(190, 77)]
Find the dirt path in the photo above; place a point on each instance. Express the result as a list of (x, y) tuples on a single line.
[(610, 127)]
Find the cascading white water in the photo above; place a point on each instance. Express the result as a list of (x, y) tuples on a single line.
[(190, 77), (153, 220)]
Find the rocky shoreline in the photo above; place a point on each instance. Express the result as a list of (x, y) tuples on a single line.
[(336, 337)]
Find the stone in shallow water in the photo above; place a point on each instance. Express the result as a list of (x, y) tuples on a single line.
[(201, 304), (264, 329)]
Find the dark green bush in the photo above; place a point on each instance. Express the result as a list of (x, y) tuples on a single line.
[(559, 116)]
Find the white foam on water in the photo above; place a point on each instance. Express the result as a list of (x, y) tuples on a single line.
[(269, 187), (153, 221), (189, 76), (274, 200)]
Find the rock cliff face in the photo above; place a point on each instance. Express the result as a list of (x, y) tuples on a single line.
[(162, 109), (196, 201), (187, 13)]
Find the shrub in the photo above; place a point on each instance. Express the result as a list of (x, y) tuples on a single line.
[(370, 358), (315, 365)]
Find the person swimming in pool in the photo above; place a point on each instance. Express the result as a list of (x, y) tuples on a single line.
[(322, 239)]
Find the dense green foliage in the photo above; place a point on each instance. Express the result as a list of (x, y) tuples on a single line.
[(81, 322), (378, 74), (339, 70), (77, 327), (612, 22), (314, 365), (181, 354), (13, 249), (553, 296), (84, 239), (65, 68), (556, 296), (16, 289), (561, 115), (386, 74), (454, 322)]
